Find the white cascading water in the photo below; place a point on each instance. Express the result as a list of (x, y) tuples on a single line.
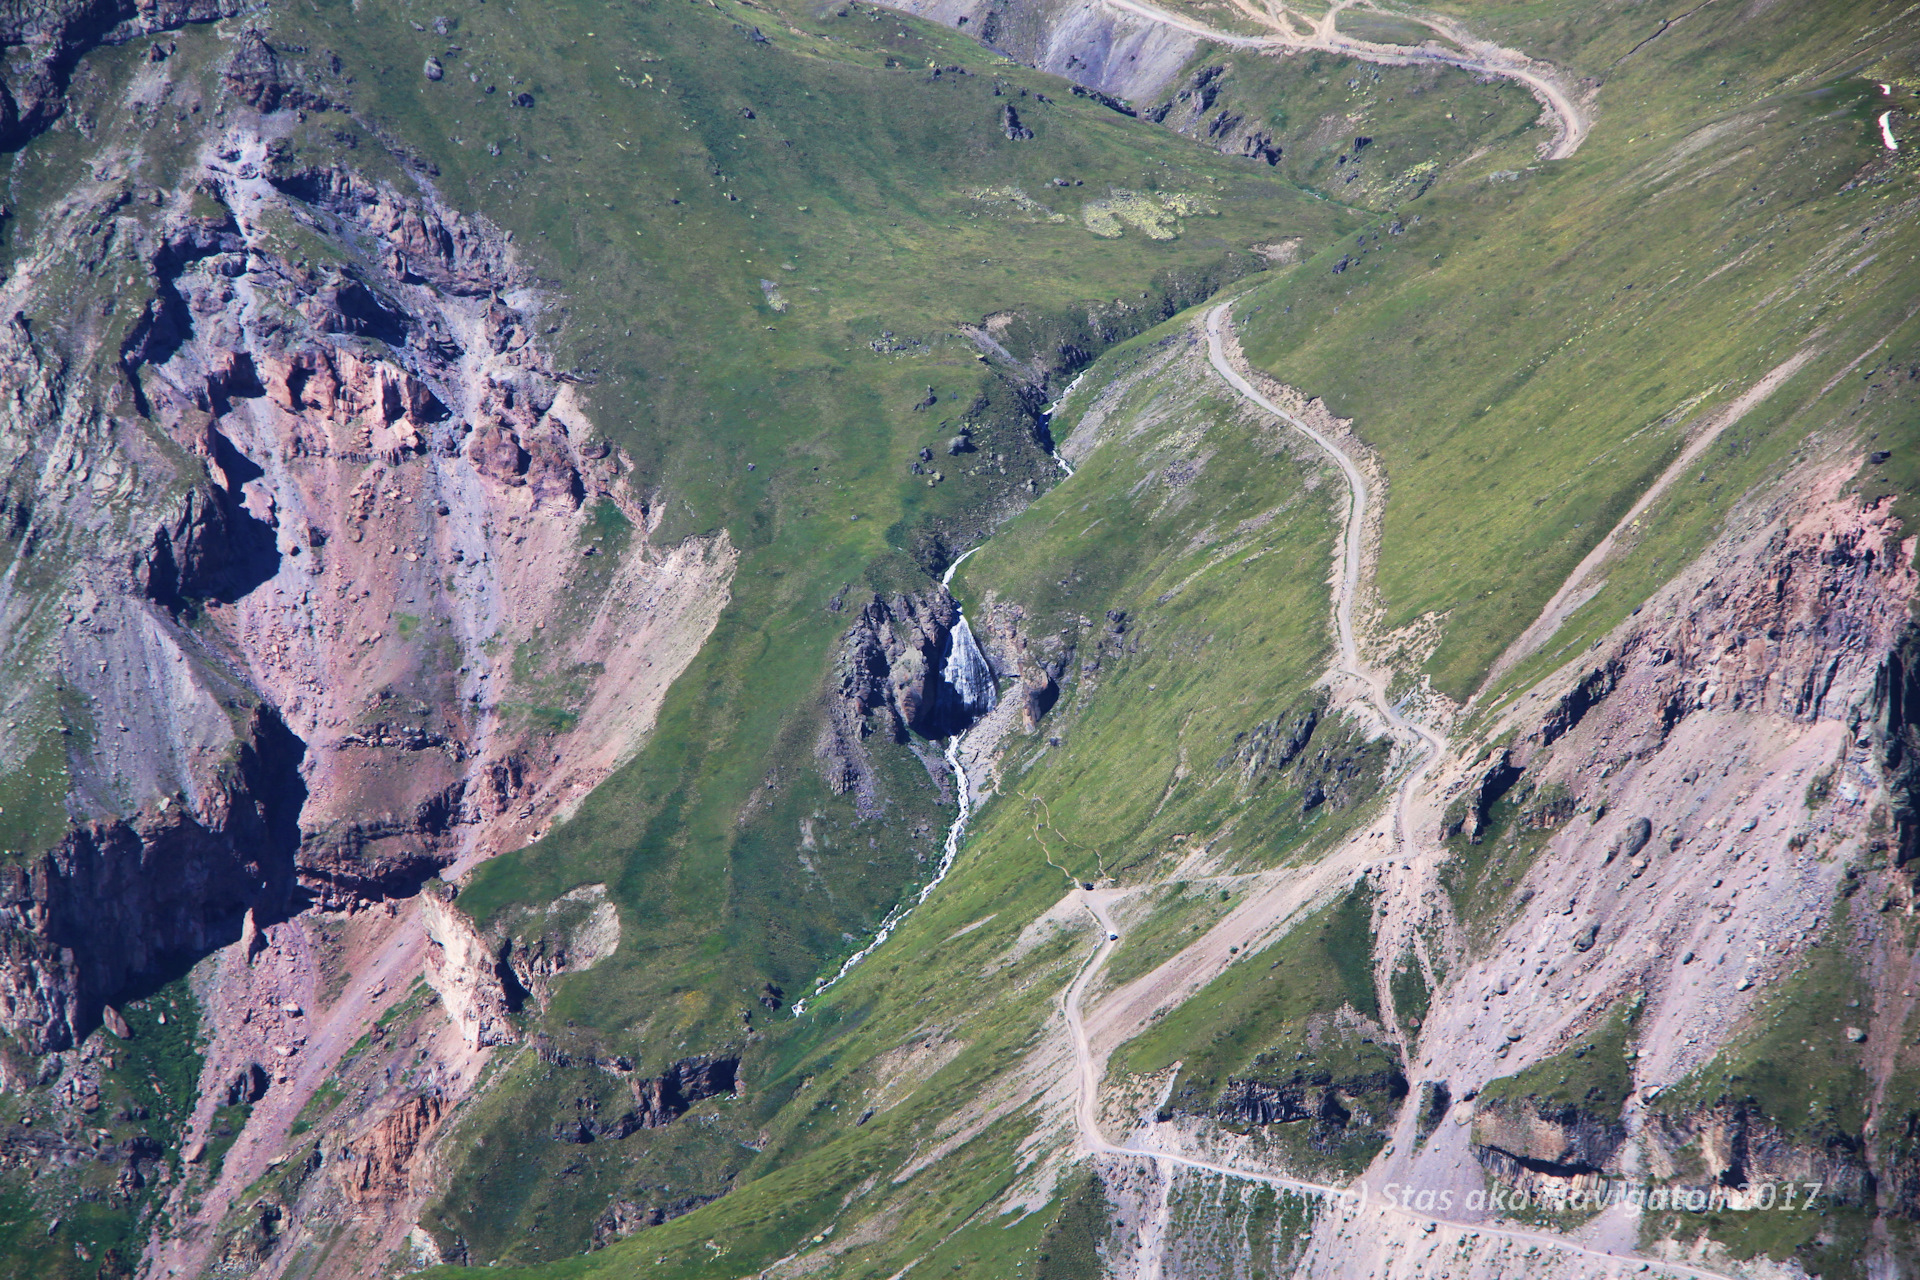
[(967, 671), (954, 835), (1048, 414), (971, 677)]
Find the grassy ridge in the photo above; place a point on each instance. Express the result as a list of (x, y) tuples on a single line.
[(1534, 347)]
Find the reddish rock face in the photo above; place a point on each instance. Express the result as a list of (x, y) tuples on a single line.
[(417, 507), (378, 1167), (346, 545), (497, 455), (349, 407)]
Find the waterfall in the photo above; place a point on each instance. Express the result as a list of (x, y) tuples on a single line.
[(966, 672), (968, 680)]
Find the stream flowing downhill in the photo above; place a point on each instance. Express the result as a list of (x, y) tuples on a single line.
[(968, 673), (1088, 1069)]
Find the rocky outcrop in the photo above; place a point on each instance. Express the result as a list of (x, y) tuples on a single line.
[(1573, 705), (890, 663), (1037, 674), (624, 1217), (295, 553), (1514, 1138), (247, 1086), (1824, 601), (43, 1151), (1257, 1102), (484, 977), (170, 882), (390, 457), (1191, 111), (1472, 815), (1897, 694), (256, 75), (1741, 1146), (1335, 772), (53, 35), (908, 666), (662, 1099), (1435, 1098), (1809, 631), (1103, 48), (659, 1100), (379, 1166), (1349, 1101), (467, 972), (349, 407), (1271, 746), (570, 935)]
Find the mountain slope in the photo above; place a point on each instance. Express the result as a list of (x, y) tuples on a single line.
[(1448, 732)]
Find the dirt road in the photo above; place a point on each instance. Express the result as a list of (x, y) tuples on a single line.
[(1169, 983), (1088, 1068), (1347, 583), (1482, 57)]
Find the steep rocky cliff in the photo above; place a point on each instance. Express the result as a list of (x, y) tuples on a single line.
[(896, 676), (167, 885), (1737, 1146), (1516, 1138), (348, 489), (317, 581)]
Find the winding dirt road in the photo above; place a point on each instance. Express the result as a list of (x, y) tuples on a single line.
[(1483, 57), (1089, 1066), (1347, 584)]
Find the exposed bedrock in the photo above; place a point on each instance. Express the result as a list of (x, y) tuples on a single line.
[(1724, 746), (1515, 1137), (657, 1101), (119, 902), (424, 488), (483, 977), (1739, 1146), (285, 600), (1190, 111), (1800, 619), (1104, 49), (53, 35), (909, 666)]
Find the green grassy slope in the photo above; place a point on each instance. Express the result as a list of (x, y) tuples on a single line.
[(758, 250), (1287, 1018), (759, 229), (756, 234), (1488, 346), (1529, 353), (892, 1112)]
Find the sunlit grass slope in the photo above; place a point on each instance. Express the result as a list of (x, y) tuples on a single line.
[(888, 1121), (1528, 351)]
